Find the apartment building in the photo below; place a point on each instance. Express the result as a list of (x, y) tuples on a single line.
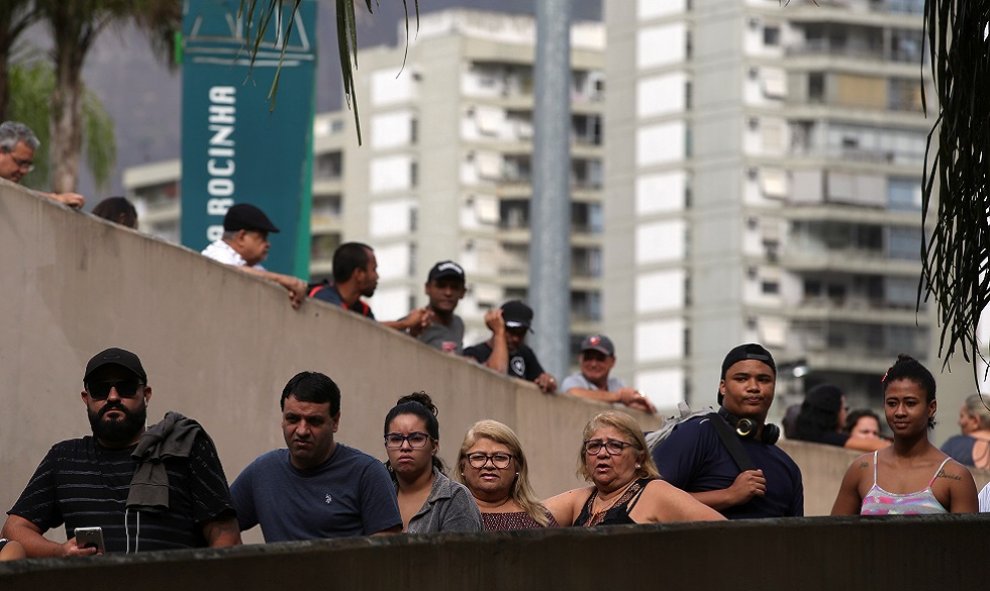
[(444, 171), (763, 183)]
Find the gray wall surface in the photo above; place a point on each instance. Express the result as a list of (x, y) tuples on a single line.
[(816, 554), (219, 346)]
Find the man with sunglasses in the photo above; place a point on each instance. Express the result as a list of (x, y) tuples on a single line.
[(103, 481), (245, 245), (315, 488), (506, 351), (17, 146)]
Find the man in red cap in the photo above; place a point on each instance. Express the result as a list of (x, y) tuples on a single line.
[(596, 360), (245, 244)]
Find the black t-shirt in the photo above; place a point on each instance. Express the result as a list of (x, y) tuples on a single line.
[(82, 484), (522, 362)]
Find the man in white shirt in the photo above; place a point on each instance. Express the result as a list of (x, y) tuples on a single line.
[(245, 244), (985, 499)]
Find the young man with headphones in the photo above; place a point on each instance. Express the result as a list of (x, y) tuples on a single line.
[(728, 460)]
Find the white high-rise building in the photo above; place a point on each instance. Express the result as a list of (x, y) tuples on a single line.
[(763, 183)]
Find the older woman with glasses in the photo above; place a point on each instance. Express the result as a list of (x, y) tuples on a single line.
[(492, 465), (626, 487), (429, 502)]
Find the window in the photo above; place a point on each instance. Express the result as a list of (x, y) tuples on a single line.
[(771, 36)]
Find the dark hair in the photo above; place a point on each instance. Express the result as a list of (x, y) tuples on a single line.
[(909, 368), (420, 405), (312, 386), (854, 417), (348, 258), (118, 210), (819, 413)]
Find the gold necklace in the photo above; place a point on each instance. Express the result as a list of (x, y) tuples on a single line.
[(618, 496)]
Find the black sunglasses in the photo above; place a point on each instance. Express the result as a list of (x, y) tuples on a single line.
[(101, 390)]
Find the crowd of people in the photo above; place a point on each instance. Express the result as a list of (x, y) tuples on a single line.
[(163, 487)]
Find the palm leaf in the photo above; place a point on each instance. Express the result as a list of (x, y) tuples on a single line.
[(347, 46), (956, 183)]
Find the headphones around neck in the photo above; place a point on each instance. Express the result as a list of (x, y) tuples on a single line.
[(747, 428)]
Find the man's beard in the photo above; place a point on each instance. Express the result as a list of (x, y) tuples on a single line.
[(121, 431)]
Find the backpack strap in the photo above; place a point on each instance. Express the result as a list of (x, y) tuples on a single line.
[(731, 442)]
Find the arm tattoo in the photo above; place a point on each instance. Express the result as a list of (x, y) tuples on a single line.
[(943, 474), (863, 465)]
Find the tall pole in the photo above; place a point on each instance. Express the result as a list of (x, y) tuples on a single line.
[(550, 206)]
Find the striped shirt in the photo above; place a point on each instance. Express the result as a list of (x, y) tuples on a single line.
[(82, 484)]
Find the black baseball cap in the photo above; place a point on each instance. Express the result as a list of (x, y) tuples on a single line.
[(245, 216), (115, 356), (517, 314), (600, 343), (744, 352), (446, 269)]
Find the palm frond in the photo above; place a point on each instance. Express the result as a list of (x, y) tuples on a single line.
[(956, 183)]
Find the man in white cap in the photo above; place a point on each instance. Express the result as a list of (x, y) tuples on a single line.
[(596, 360)]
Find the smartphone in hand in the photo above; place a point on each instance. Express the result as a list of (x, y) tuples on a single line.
[(90, 537)]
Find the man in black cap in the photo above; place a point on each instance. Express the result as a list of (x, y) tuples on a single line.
[(445, 286), (506, 350), (244, 245), (159, 489), (695, 457), (596, 360)]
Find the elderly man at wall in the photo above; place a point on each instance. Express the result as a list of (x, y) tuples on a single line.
[(355, 275), (316, 488), (506, 351), (17, 146), (245, 244), (596, 360), (148, 489), (728, 460)]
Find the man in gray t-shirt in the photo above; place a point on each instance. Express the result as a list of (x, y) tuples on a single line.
[(445, 286), (593, 381)]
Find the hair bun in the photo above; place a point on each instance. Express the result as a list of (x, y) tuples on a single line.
[(422, 398)]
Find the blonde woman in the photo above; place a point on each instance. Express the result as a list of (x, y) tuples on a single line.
[(492, 465), (626, 487)]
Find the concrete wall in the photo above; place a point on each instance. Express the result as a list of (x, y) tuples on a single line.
[(816, 554), (219, 346)]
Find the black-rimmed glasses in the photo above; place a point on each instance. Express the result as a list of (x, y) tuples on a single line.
[(499, 460), (612, 447), (101, 390), (416, 439)]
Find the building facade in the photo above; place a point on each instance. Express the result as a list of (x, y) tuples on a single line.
[(763, 184)]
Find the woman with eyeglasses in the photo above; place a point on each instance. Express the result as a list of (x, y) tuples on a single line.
[(429, 502), (493, 467), (626, 487)]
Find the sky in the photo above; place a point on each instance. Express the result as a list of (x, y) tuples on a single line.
[(143, 96)]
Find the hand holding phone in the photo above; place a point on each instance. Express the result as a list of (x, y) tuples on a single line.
[(90, 537)]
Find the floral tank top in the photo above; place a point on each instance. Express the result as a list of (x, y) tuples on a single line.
[(880, 502)]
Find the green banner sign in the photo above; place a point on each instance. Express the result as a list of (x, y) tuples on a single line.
[(235, 149)]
